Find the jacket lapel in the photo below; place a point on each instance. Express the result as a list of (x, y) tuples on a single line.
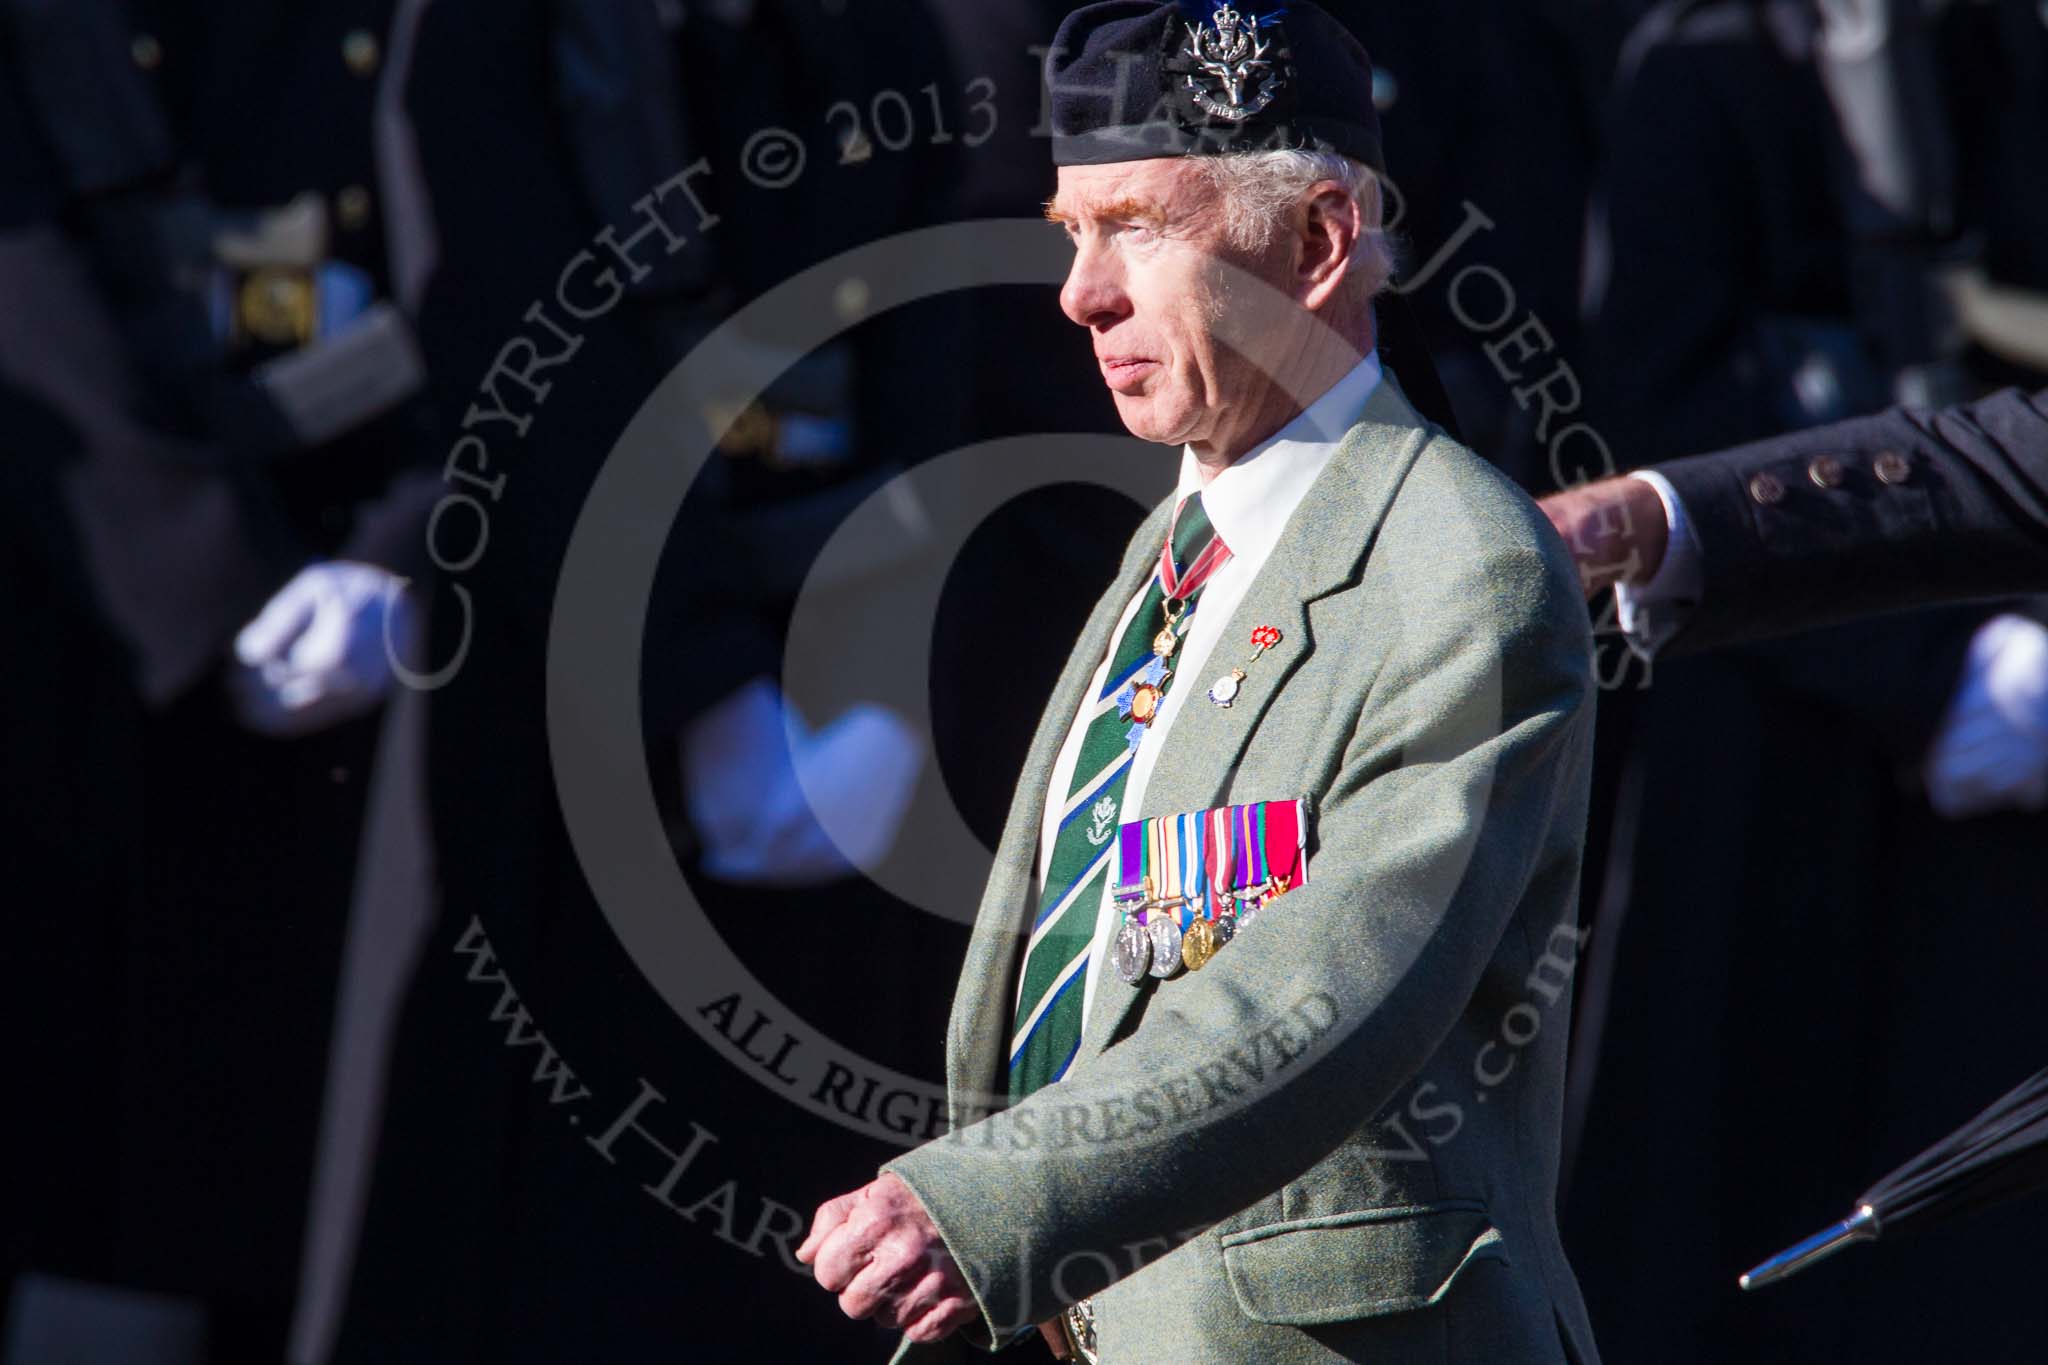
[(981, 1005), (1323, 549)]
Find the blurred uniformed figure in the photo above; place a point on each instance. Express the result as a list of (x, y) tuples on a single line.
[(198, 289), (492, 1230), (1793, 189)]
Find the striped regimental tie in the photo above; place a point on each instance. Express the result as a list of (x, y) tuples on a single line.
[(1047, 1029)]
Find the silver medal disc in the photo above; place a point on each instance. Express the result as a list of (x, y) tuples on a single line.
[(1165, 935), (1131, 952)]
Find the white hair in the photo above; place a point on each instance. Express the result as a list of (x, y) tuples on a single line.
[(1258, 191)]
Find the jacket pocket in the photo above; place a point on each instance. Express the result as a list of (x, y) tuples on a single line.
[(1357, 1265)]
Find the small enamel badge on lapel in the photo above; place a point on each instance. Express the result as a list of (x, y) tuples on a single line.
[(1223, 692)]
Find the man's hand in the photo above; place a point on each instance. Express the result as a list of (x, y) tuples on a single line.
[(881, 1254), (1615, 528)]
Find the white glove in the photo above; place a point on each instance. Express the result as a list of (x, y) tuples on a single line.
[(779, 805), (320, 650), (1991, 752)]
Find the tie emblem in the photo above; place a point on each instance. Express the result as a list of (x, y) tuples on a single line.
[(1102, 821)]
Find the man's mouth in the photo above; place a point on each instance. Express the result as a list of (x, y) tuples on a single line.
[(1125, 373)]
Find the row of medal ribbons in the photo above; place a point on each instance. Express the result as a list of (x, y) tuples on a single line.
[(1186, 883)]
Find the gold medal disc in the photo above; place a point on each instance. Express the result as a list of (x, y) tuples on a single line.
[(1198, 945)]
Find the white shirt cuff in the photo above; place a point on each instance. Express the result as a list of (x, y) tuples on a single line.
[(1651, 614)]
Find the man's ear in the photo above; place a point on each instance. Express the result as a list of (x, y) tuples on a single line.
[(1328, 228)]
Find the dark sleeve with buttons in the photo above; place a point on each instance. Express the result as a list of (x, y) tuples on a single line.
[(1907, 508)]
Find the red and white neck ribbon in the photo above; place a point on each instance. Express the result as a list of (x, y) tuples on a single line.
[(1177, 585)]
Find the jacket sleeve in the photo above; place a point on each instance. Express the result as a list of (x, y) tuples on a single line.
[(1465, 763), (1904, 509)]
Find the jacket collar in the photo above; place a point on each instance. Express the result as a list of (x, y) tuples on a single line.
[(1250, 502)]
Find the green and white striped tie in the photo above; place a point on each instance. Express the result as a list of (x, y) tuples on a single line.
[(1046, 1032)]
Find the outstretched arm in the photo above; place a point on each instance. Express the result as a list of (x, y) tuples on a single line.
[(1907, 508)]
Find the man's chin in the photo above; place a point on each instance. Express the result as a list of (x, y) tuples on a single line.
[(1143, 419)]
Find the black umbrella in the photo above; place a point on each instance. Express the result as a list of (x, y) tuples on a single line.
[(1999, 1155)]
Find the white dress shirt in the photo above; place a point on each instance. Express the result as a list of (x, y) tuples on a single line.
[(1249, 504)]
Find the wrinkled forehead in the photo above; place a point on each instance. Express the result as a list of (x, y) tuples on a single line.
[(1166, 188)]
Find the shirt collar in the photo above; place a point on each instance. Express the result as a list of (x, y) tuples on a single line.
[(1249, 503)]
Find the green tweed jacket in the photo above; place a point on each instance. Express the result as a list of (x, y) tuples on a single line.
[(1339, 1140)]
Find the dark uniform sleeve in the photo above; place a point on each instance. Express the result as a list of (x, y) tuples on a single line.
[(1904, 509)]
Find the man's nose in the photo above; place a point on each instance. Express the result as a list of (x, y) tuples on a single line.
[(1094, 294)]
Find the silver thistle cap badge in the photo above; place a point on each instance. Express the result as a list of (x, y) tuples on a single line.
[(1233, 79)]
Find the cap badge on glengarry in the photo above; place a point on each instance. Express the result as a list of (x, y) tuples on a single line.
[(1233, 79)]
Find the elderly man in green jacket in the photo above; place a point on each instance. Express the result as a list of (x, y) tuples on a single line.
[(1257, 1051)]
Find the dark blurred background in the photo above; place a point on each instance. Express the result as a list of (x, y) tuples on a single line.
[(265, 411)]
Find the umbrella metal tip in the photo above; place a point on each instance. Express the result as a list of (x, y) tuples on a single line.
[(1861, 1226)]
